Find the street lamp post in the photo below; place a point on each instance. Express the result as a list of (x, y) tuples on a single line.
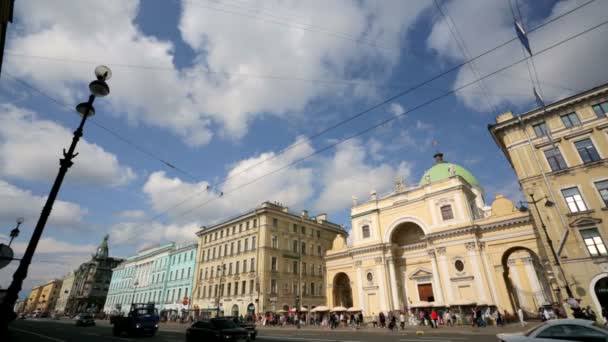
[(558, 263), (99, 88), (15, 232)]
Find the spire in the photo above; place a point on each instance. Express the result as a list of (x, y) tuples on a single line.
[(102, 250)]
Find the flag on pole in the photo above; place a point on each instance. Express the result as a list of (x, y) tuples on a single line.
[(523, 36)]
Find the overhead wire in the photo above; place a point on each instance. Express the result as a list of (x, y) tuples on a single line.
[(384, 122), (95, 122)]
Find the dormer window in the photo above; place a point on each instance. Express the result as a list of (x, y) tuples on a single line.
[(365, 231), (446, 212)]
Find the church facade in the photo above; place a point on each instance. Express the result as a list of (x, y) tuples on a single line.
[(438, 244)]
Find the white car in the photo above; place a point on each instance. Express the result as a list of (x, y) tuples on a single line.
[(574, 330)]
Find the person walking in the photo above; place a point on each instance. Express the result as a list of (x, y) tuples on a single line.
[(402, 320), (434, 318), (520, 314), (448, 318), (382, 320)]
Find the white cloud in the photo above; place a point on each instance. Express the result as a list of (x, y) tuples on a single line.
[(30, 149), (484, 24), (132, 214), (348, 174), (141, 233), (396, 109), (188, 101), (17, 202), (53, 246)]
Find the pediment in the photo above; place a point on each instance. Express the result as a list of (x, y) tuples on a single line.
[(585, 221), (421, 273)]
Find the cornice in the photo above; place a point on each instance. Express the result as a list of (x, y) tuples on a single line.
[(579, 133)]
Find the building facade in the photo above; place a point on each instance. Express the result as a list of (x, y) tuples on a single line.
[(559, 154), (438, 244), (46, 296), (91, 281), (140, 279), (64, 294), (268, 259), (32, 299), (182, 263)]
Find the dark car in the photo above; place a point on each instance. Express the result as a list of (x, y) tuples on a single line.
[(83, 320), (216, 329), (141, 320), (253, 332)]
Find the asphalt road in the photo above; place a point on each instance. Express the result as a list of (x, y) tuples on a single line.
[(65, 331)]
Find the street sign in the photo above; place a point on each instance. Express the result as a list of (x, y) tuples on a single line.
[(6, 255)]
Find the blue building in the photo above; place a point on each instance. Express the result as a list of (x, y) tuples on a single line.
[(180, 276)]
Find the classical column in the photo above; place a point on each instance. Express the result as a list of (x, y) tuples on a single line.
[(473, 255), (445, 274), (393, 284), (437, 288), (534, 282), (384, 305), (360, 295), (489, 272)]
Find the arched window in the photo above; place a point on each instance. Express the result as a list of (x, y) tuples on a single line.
[(365, 231), (446, 212)]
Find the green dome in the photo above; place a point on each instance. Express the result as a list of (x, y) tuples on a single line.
[(440, 172)]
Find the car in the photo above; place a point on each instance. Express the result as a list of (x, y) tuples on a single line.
[(253, 332), (216, 329), (142, 320), (560, 330), (84, 319)]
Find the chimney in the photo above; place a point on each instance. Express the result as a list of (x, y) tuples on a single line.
[(304, 213)]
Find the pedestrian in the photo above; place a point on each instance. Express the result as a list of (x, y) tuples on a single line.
[(434, 318), (382, 320), (402, 320), (448, 318), (520, 314), (392, 322)]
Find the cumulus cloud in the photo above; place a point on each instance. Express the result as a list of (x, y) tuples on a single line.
[(396, 109), (348, 174), (132, 214), (141, 233), (513, 87), (35, 155), (327, 40), (17, 202)]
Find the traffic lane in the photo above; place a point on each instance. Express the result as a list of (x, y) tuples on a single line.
[(29, 330), (374, 336)]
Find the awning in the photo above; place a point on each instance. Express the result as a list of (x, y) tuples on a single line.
[(339, 309), (320, 309), (353, 309)]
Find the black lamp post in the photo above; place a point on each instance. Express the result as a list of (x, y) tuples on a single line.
[(558, 263), (15, 232), (99, 88)]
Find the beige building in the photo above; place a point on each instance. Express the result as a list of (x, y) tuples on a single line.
[(262, 260), (64, 293), (44, 297), (32, 300), (438, 244), (559, 154)]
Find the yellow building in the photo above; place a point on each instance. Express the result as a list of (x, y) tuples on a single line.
[(437, 244), (559, 154), (32, 300), (49, 293), (262, 260)]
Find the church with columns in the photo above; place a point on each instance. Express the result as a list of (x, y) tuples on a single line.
[(438, 244)]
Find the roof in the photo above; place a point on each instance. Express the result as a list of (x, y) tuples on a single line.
[(441, 171)]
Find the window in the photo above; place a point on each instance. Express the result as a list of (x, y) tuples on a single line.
[(244, 266), (540, 129), (229, 289), (555, 159), (230, 269), (274, 243), (238, 247), (211, 274), (273, 264), (304, 268), (243, 286), (182, 274), (312, 269), (251, 286), (318, 234), (446, 212), (370, 277), (240, 227), (246, 245), (303, 250), (275, 222), (459, 265), (570, 120), (233, 230), (295, 267), (273, 286), (206, 270), (295, 246), (601, 109), (231, 248), (365, 231), (571, 332), (587, 151), (303, 230), (593, 241), (236, 288), (247, 225), (574, 200), (253, 243), (236, 270), (312, 289), (320, 270), (602, 187), (221, 234), (252, 265), (255, 223), (319, 252), (188, 276)]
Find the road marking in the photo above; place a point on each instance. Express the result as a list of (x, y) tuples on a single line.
[(36, 334)]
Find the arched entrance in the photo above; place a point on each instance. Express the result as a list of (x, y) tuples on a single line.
[(342, 292), (407, 233), (526, 280), (250, 309), (235, 310)]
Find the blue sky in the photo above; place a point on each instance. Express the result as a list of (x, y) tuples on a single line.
[(215, 87)]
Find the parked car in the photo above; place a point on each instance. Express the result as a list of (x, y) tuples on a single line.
[(253, 332), (84, 319), (141, 320), (560, 330), (216, 329)]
